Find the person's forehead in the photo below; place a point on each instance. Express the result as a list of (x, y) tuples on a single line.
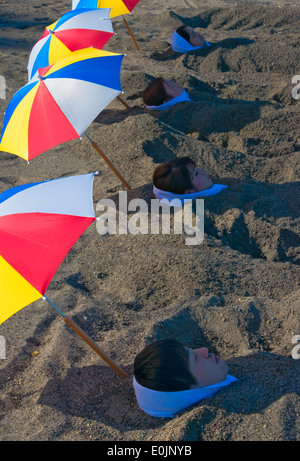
[(167, 82), (189, 30), (191, 167)]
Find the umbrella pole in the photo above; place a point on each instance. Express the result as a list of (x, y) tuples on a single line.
[(109, 164), (123, 102), (90, 342), (130, 33)]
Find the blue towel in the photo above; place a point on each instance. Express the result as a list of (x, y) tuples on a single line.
[(167, 404), (181, 98), (179, 200), (181, 45)]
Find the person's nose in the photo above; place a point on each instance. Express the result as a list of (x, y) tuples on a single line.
[(202, 352)]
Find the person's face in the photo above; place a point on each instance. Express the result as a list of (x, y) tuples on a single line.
[(196, 38), (173, 89), (206, 367), (200, 179)]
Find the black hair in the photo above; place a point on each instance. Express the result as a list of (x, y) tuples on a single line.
[(183, 33), (174, 176), (155, 94), (164, 366)]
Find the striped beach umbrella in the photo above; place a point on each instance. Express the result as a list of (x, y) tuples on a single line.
[(61, 102), (39, 224), (118, 8), (75, 30)]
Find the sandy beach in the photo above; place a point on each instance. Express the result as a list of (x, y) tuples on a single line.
[(236, 293)]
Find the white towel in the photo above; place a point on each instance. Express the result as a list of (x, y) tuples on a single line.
[(181, 45), (180, 199), (181, 98), (167, 404)]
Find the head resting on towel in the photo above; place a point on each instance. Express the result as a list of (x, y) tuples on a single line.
[(169, 377), (193, 37), (180, 176), (160, 91), (185, 39), (168, 365)]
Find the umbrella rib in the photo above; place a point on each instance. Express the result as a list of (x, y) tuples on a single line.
[(50, 302)]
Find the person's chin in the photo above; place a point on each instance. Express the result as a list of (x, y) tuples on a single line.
[(207, 186), (224, 366), (202, 43)]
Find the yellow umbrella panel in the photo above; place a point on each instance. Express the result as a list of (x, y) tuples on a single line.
[(12, 299)]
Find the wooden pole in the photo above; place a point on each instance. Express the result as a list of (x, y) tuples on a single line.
[(95, 346), (123, 102), (109, 163), (89, 341), (130, 33)]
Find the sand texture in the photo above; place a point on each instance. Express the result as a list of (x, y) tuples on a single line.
[(237, 293)]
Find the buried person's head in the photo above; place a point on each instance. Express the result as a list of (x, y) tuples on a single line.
[(180, 176), (169, 377), (167, 365), (192, 36), (185, 39), (160, 91)]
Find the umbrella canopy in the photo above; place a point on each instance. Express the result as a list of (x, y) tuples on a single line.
[(75, 30), (61, 103), (118, 7), (39, 223)]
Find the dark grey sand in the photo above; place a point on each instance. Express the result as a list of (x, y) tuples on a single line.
[(237, 292)]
